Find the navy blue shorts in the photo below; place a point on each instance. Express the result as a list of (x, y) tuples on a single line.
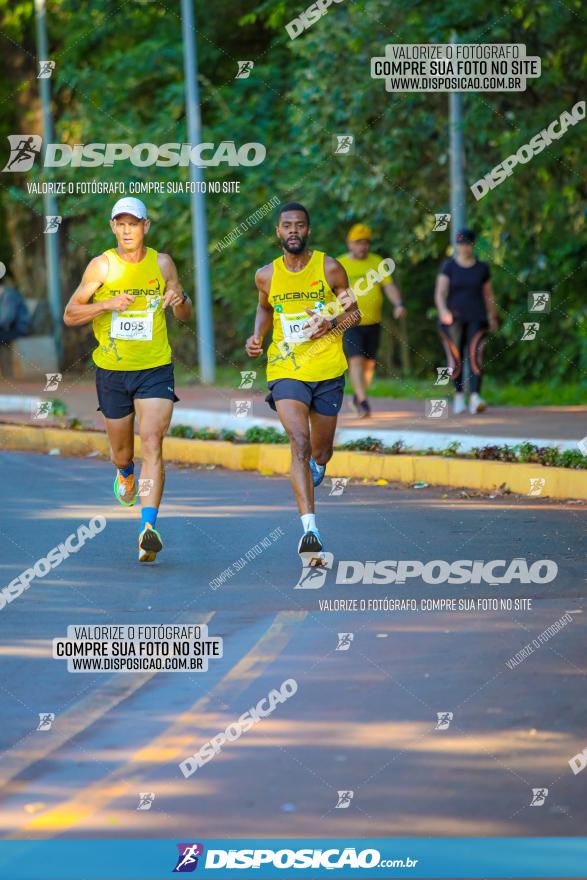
[(324, 397), (362, 341), (117, 389)]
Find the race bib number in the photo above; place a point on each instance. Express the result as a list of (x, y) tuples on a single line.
[(292, 325), (135, 326)]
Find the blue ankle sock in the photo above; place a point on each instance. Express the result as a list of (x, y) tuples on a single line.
[(128, 470), (148, 515)]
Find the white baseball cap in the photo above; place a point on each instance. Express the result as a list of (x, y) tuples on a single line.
[(129, 205)]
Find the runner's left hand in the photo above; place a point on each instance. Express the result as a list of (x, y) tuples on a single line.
[(316, 326), (172, 298)]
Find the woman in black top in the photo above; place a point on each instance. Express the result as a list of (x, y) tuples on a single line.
[(466, 309)]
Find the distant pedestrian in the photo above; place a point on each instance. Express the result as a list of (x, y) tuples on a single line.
[(466, 310), (370, 280)]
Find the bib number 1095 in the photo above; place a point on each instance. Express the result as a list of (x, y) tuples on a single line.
[(133, 326)]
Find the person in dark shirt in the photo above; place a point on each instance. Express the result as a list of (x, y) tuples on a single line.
[(466, 310)]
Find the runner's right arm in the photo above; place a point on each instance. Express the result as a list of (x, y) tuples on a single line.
[(79, 310), (440, 297), (264, 316)]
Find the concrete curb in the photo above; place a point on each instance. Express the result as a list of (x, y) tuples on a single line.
[(562, 483)]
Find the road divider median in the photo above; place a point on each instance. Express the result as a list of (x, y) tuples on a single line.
[(531, 479)]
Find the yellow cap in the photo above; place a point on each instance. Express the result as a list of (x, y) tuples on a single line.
[(358, 232)]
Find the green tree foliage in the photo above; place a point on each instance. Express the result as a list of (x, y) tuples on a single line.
[(119, 78)]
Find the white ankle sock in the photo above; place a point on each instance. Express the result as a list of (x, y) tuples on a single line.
[(308, 522)]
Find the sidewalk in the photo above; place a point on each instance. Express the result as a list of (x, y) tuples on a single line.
[(213, 407)]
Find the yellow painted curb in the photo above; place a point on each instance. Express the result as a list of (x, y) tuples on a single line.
[(523, 479)]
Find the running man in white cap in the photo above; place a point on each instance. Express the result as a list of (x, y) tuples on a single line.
[(124, 292)]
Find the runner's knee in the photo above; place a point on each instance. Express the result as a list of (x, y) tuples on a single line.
[(323, 454), (300, 445), (151, 444)]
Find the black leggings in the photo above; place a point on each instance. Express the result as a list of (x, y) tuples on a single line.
[(465, 340)]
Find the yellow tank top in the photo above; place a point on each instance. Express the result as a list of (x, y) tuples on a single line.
[(361, 278), (137, 338), (291, 355)]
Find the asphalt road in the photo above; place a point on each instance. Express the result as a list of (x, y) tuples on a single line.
[(364, 718)]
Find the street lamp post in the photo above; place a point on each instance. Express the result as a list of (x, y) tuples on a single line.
[(456, 152), (49, 200), (206, 351)]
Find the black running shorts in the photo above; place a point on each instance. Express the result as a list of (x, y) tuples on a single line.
[(324, 397), (117, 389), (362, 341)]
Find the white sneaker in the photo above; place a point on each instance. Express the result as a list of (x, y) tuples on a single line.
[(476, 404), (458, 404)]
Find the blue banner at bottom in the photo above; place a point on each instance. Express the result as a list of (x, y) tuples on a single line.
[(367, 858)]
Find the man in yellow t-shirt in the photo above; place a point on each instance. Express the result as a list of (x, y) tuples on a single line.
[(305, 300), (124, 293), (369, 276)]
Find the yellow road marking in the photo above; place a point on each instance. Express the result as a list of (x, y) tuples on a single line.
[(176, 742), (73, 721)]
